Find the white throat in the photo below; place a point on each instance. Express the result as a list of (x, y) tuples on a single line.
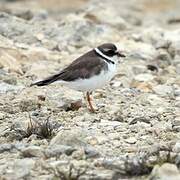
[(103, 55)]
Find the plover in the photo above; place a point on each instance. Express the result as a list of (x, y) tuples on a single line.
[(89, 72)]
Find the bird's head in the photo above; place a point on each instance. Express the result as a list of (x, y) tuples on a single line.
[(109, 50)]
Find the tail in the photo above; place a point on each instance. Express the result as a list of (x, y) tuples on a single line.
[(47, 81)]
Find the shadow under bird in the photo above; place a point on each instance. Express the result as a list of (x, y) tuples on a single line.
[(88, 72)]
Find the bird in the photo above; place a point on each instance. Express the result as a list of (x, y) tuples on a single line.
[(89, 72)]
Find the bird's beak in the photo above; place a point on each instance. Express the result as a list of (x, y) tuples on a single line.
[(120, 54)]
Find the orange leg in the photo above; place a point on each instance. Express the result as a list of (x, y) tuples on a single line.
[(89, 102)]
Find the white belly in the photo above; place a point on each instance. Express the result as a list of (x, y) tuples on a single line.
[(95, 82)]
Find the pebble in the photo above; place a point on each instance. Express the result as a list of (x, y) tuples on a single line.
[(91, 152), (144, 77), (176, 124), (20, 169), (102, 139), (79, 154), (32, 151), (4, 88), (154, 99), (2, 116), (177, 92), (103, 174), (176, 147), (139, 69), (131, 140), (163, 90), (92, 140), (73, 137), (116, 84), (165, 172), (57, 150), (28, 105), (5, 147)]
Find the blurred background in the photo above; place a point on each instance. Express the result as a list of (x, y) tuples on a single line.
[(136, 130), (53, 6)]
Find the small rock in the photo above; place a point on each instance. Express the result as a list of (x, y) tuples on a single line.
[(110, 123), (102, 139), (97, 14), (10, 61), (131, 140), (142, 86), (177, 92), (74, 106), (5, 147), (28, 105), (176, 147), (111, 163), (32, 151), (92, 141), (143, 51), (73, 137), (139, 119), (116, 84), (102, 174), (165, 172), (153, 36), (2, 116), (4, 88), (79, 154), (58, 150), (152, 67), (154, 100), (144, 77), (20, 169), (163, 58), (176, 124), (138, 69), (11, 80), (40, 36), (59, 163), (163, 90), (91, 152)]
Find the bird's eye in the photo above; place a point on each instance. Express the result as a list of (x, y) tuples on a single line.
[(110, 52)]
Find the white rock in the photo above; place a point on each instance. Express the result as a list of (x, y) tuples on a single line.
[(116, 84), (163, 90), (165, 172), (110, 123), (113, 19), (152, 35), (102, 139), (154, 100), (137, 69), (144, 77), (20, 168), (176, 147), (131, 140), (140, 50), (177, 91), (2, 116), (4, 88), (72, 137)]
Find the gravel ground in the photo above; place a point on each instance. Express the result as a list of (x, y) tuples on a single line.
[(136, 130)]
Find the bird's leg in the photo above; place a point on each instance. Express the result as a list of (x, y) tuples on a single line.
[(89, 102)]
